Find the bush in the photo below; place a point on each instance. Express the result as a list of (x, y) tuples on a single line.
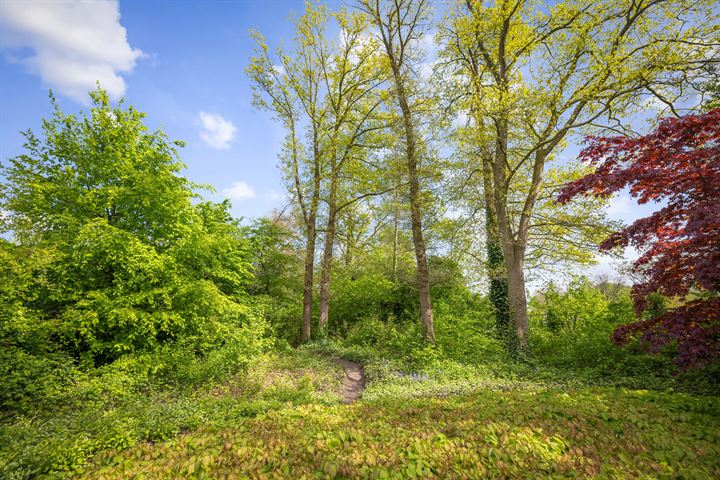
[(31, 381), (353, 300), (465, 329), (572, 333)]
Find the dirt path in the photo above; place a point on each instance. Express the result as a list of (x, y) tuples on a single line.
[(354, 381)]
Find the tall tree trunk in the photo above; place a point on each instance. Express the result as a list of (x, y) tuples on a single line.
[(515, 243), (497, 273), (397, 26), (396, 232), (518, 300), (311, 226), (513, 249), (423, 275), (495, 259), (327, 258), (308, 283), (515, 265)]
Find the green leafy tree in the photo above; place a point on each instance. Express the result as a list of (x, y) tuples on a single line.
[(535, 74), (331, 86), (122, 258), (288, 86), (276, 264), (399, 25)]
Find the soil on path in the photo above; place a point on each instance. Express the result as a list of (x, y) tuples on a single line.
[(354, 382)]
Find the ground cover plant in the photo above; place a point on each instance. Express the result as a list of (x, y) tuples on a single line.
[(113, 410), (487, 434)]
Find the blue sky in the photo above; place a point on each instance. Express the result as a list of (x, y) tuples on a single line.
[(182, 63)]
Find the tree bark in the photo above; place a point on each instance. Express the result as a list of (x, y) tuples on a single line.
[(327, 259), (308, 284), (311, 227), (497, 272), (515, 243), (395, 241), (396, 28), (513, 248), (518, 301), (423, 275)]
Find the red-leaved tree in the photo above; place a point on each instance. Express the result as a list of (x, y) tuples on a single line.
[(679, 165)]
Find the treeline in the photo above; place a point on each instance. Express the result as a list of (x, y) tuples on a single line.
[(443, 132)]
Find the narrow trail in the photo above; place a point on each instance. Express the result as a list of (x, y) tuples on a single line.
[(354, 382)]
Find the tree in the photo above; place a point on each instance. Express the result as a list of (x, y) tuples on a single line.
[(678, 164), (560, 238), (332, 86), (73, 175), (399, 25), (536, 74), (352, 75), (276, 266), (290, 89), (110, 253)]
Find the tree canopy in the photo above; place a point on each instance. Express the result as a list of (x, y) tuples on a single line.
[(677, 165), (117, 254)]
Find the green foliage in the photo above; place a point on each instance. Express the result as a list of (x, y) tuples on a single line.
[(579, 308), (489, 434), (366, 292), (711, 90), (572, 340), (276, 267), (463, 331), (152, 398), (579, 314), (111, 258), (571, 345), (34, 381), (656, 306), (370, 296), (103, 165), (466, 329)]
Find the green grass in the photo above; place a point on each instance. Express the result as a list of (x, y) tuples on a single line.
[(61, 440), (420, 416), (519, 433)]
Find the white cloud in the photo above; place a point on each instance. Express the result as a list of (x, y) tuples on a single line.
[(216, 131), (239, 191), (73, 44)]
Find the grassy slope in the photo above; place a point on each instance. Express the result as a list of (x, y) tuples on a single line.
[(520, 433), (61, 439), (449, 420)]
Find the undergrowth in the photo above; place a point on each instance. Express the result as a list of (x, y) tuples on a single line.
[(605, 432), (63, 439)]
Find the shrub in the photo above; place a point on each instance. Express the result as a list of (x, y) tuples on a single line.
[(369, 296)]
